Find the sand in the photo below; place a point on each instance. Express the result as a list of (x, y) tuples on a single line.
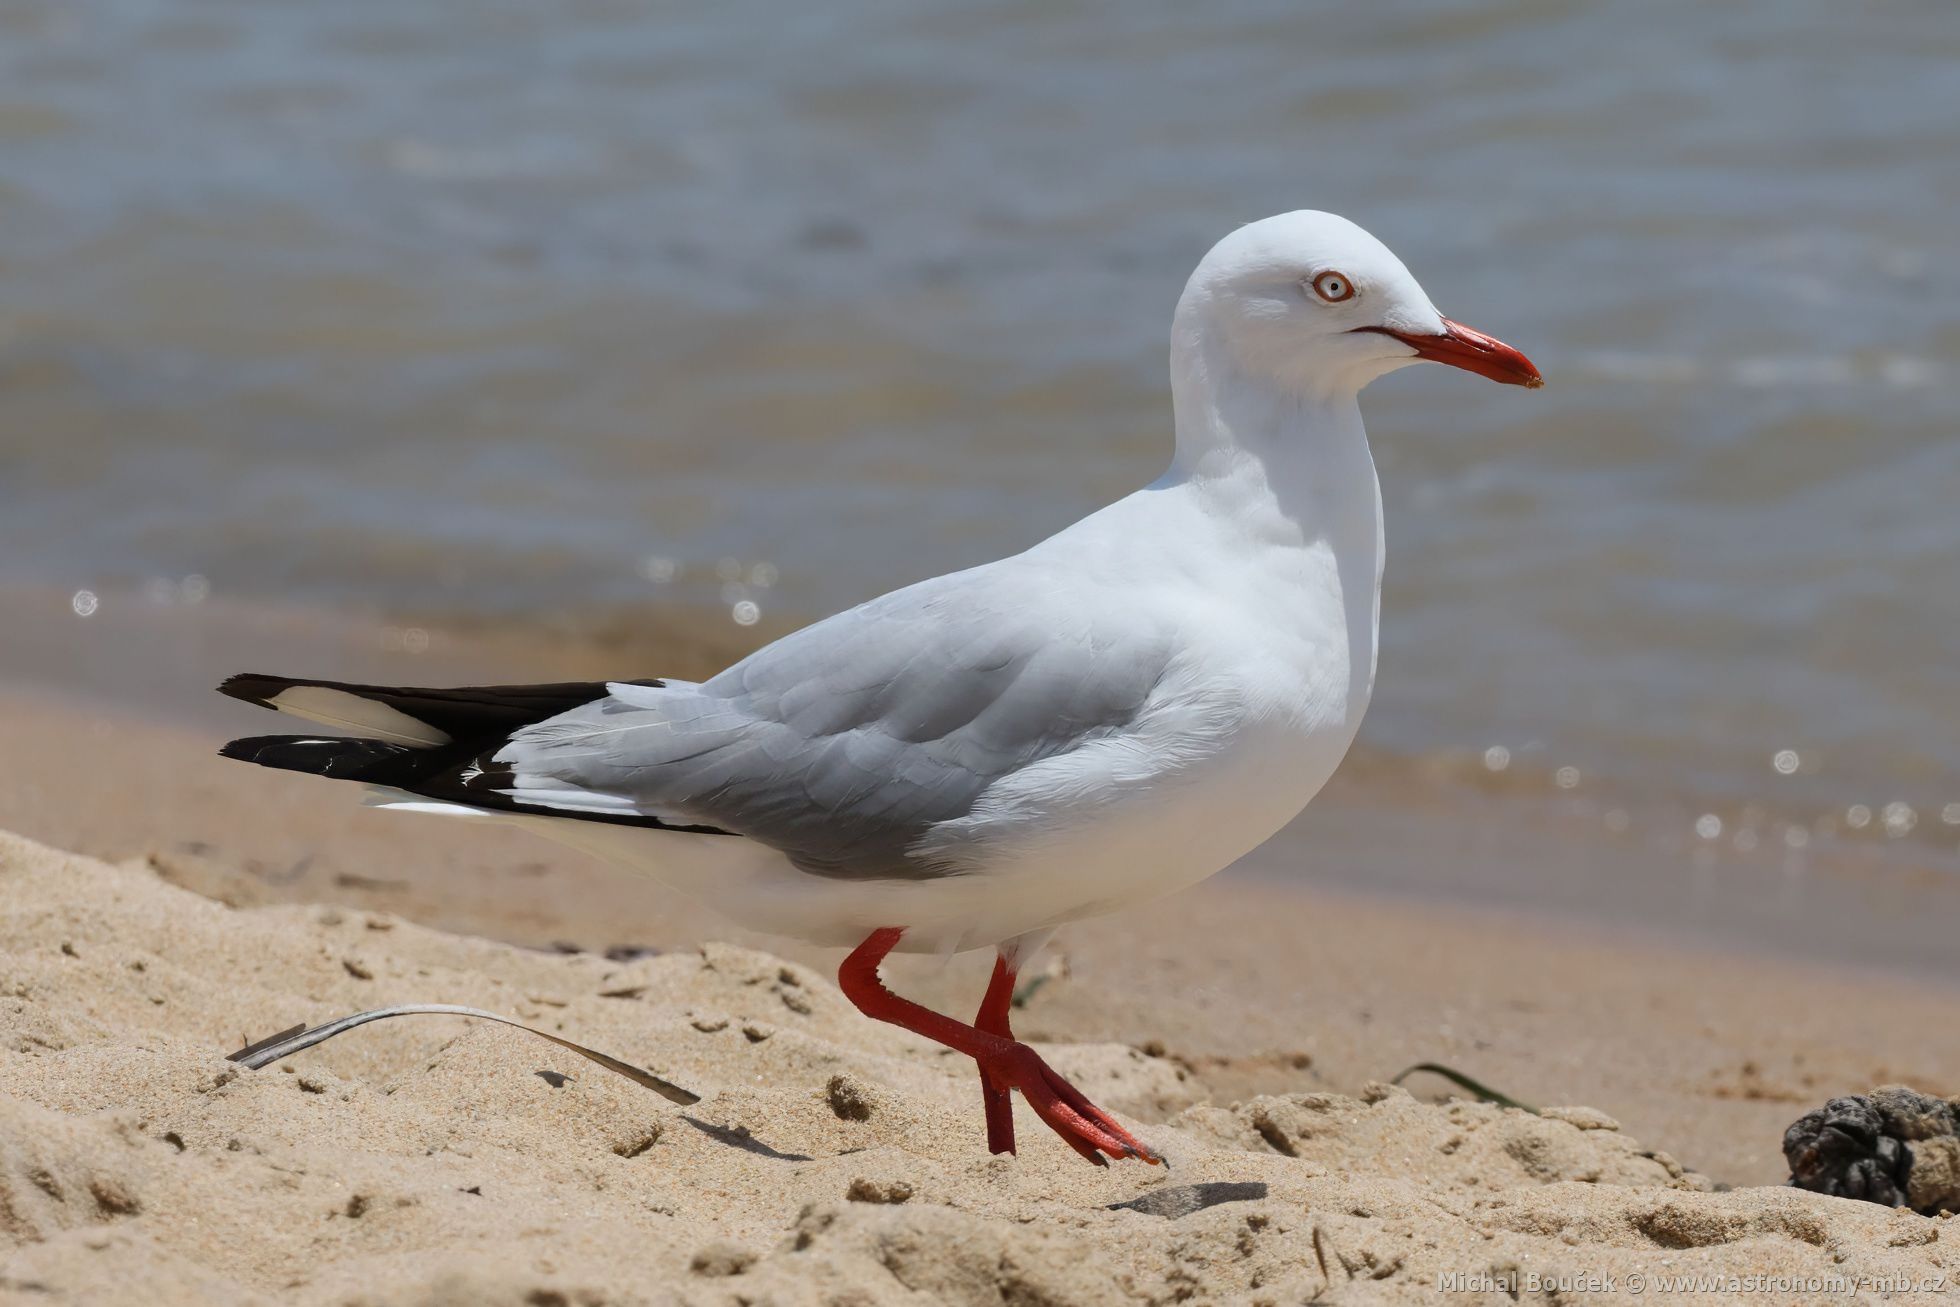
[(830, 1159)]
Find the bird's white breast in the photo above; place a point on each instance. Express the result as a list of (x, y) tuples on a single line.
[(1243, 734)]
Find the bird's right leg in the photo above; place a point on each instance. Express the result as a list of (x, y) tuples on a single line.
[(1004, 1060)]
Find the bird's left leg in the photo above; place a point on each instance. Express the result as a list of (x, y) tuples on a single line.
[(1004, 1060)]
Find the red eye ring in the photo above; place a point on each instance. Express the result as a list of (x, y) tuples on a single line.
[(1333, 287)]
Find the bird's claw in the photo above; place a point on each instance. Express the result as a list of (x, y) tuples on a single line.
[(1083, 1126)]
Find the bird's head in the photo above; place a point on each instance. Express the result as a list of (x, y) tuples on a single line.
[(1313, 303)]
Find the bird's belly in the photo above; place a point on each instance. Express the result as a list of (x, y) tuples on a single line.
[(1172, 833)]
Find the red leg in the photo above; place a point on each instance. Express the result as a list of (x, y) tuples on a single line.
[(1005, 1062), (993, 1020)]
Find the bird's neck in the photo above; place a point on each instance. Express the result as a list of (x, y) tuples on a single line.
[(1290, 465)]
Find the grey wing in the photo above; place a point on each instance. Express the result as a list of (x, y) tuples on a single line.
[(843, 744)]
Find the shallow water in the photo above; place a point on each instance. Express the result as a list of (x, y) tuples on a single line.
[(588, 308)]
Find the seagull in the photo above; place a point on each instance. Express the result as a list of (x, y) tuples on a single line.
[(1114, 714)]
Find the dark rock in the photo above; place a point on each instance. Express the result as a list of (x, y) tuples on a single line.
[(1866, 1146)]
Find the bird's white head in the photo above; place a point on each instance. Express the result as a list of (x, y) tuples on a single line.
[(1312, 304)]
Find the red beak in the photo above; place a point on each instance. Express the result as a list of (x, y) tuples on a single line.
[(1473, 351)]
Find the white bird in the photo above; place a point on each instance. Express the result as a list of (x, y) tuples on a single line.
[(1117, 713)]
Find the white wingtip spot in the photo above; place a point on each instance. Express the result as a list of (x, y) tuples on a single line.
[(365, 717)]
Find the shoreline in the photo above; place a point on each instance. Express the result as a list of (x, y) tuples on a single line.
[(1434, 829)]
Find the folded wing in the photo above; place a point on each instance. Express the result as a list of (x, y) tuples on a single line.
[(844, 744)]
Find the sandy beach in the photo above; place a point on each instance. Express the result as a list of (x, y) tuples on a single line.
[(163, 906), (834, 1160)]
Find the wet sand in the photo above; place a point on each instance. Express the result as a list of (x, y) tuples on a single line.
[(1440, 827)]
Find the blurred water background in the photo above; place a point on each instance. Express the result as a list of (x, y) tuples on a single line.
[(593, 309)]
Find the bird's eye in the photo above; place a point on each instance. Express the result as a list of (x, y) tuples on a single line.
[(1333, 287)]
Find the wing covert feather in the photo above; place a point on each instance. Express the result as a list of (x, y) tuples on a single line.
[(844, 743)]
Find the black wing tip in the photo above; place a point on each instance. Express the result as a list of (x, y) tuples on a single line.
[(242, 750), (340, 757), (431, 773), (255, 687), (263, 749), (512, 701)]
